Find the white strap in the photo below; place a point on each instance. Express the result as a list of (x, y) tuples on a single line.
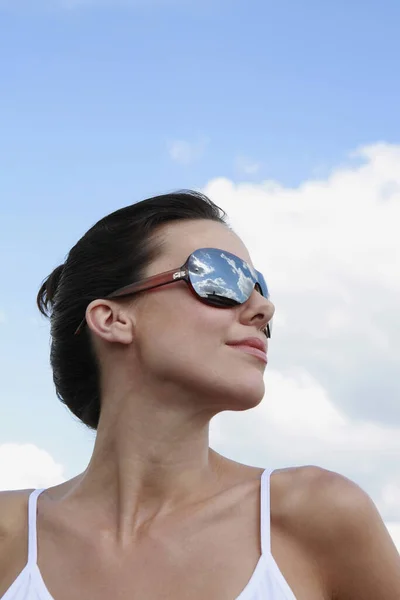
[(265, 512), (32, 528)]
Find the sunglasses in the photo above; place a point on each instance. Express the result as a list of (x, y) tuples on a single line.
[(216, 277)]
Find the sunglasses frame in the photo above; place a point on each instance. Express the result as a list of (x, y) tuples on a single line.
[(181, 274)]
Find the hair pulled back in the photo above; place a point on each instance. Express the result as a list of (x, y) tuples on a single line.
[(113, 253)]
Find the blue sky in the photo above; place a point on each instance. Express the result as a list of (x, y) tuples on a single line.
[(105, 103), (92, 89)]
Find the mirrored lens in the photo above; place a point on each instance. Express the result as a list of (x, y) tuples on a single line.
[(262, 284), (221, 277)]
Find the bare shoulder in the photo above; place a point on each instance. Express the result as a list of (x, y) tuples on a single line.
[(291, 491), (339, 523), (320, 503), (13, 510)]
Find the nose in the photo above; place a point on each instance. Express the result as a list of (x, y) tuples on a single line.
[(257, 311)]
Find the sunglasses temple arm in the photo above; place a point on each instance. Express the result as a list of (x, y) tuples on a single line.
[(150, 283), (147, 284)]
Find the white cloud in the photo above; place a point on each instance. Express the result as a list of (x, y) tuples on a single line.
[(246, 166), (330, 251), (394, 530), (297, 423), (185, 153), (3, 318), (25, 466)]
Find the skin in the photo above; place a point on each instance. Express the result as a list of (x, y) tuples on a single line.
[(158, 514), (166, 371)]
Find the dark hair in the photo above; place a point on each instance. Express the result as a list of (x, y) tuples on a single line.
[(113, 253)]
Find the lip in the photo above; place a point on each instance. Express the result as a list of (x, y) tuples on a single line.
[(253, 342), (252, 346)]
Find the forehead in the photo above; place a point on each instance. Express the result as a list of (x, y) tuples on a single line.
[(181, 238)]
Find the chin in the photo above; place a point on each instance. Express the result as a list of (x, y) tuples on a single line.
[(243, 393), (248, 401), (226, 388)]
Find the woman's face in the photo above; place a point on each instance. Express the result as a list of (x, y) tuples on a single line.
[(182, 342)]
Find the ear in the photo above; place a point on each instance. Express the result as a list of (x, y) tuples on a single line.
[(111, 321)]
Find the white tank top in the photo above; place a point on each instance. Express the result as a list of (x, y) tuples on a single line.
[(266, 582)]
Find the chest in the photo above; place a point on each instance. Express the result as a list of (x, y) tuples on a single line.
[(216, 563)]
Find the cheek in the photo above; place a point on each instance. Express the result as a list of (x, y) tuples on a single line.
[(186, 327)]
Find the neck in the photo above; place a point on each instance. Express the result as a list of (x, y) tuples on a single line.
[(146, 464)]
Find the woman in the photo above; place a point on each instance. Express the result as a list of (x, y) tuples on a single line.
[(159, 321)]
